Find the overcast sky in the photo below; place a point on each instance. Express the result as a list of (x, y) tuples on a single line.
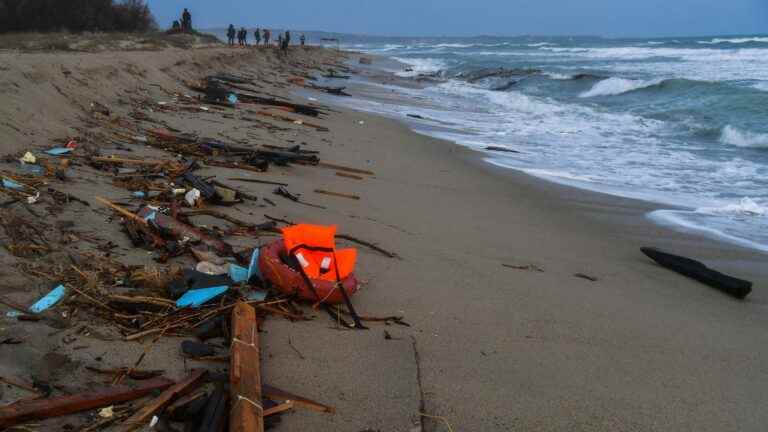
[(481, 17)]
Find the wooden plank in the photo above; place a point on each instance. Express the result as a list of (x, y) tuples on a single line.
[(64, 405), (338, 194), (246, 414), (285, 406), (344, 168), (352, 176), (143, 416), (276, 393)]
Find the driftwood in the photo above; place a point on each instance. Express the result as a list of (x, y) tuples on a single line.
[(64, 405), (215, 414), (276, 393), (344, 168), (738, 288), (352, 176), (337, 194), (142, 416), (180, 230), (246, 414), (258, 181)]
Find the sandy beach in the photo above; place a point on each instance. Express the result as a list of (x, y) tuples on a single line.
[(489, 347)]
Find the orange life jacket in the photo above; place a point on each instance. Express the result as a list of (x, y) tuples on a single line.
[(314, 247)]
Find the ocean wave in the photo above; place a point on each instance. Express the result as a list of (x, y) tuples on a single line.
[(762, 86), (745, 207), (420, 66), (735, 40), (558, 76), (540, 44), (615, 86), (739, 138)]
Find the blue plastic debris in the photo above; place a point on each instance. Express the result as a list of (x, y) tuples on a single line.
[(10, 184), (150, 217), (241, 274), (58, 151), (48, 300), (139, 194), (232, 98), (197, 297)]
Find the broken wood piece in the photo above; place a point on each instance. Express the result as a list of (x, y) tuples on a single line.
[(142, 416), (585, 276), (121, 210), (696, 270), (344, 168), (367, 244), (246, 414), (279, 394), (258, 181), (20, 384), (116, 160), (181, 230), (64, 405), (531, 267), (352, 176), (338, 194), (285, 406)]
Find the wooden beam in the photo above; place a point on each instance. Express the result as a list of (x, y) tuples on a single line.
[(64, 405), (246, 414), (143, 416)]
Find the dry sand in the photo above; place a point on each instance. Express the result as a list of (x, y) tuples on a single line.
[(640, 349)]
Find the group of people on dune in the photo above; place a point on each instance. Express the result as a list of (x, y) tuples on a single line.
[(265, 35)]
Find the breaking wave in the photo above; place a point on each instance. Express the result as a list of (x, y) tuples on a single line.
[(616, 86), (735, 40), (745, 207), (740, 138)]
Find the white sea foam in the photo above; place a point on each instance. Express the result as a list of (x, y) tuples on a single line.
[(420, 65), (735, 40), (540, 44), (762, 86), (615, 86), (558, 76), (739, 138), (745, 207)]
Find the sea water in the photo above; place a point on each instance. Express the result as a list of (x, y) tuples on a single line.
[(682, 122)]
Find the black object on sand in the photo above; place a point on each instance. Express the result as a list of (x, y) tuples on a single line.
[(738, 288)]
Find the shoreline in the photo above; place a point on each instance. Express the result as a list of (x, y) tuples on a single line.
[(639, 348), (648, 206)]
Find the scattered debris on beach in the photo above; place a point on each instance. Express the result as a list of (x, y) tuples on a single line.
[(274, 269)]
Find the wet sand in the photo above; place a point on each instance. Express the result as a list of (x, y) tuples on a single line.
[(640, 349)]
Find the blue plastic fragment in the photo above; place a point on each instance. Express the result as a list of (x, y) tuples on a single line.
[(48, 300), (10, 184), (139, 194), (238, 274), (232, 98), (241, 274), (150, 217), (197, 297), (57, 151)]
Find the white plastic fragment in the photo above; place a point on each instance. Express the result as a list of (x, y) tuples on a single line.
[(192, 197)]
